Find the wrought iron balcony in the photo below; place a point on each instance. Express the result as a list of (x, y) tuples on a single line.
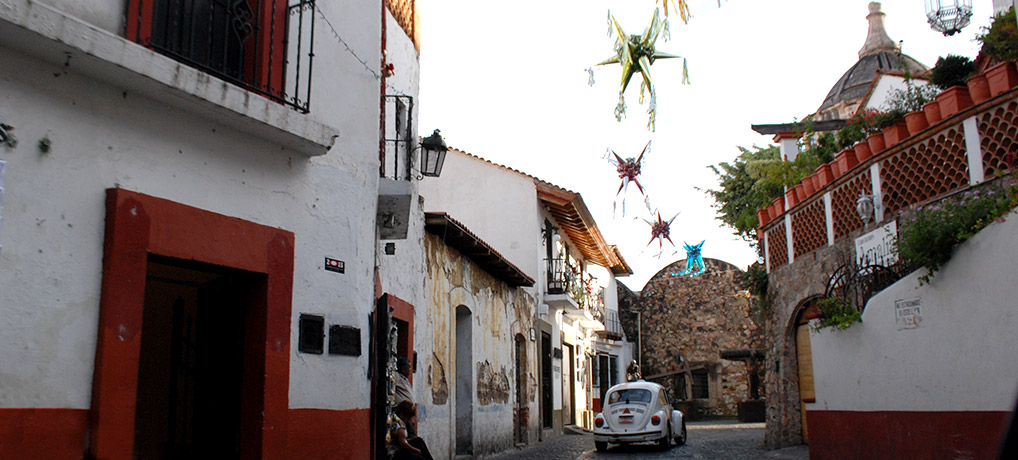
[(264, 46)]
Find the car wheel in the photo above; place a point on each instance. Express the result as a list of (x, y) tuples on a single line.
[(666, 442), (681, 438), (601, 446)]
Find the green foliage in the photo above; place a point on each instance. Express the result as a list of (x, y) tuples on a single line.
[(952, 71), (1000, 41), (910, 99), (756, 277), (837, 313), (929, 237), (746, 185)]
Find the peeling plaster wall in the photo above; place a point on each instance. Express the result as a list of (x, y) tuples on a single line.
[(498, 314), (103, 136)]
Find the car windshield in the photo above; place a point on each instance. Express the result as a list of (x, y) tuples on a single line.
[(629, 395)]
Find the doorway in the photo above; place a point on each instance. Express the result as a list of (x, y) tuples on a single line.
[(569, 387), (191, 372), (254, 294), (522, 417), (464, 382), (546, 394), (804, 355)]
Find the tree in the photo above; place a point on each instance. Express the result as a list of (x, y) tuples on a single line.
[(749, 183)]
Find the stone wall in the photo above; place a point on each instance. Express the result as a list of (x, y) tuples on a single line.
[(691, 320), (788, 287)]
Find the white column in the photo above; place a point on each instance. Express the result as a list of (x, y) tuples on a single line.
[(829, 217), (788, 238), (878, 198), (767, 255), (972, 148), (788, 144)]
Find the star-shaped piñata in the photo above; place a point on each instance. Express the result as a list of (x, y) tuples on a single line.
[(660, 230), (629, 170), (636, 53)]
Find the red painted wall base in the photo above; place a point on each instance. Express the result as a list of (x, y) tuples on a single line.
[(42, 434), (60, 434), (838, 435)]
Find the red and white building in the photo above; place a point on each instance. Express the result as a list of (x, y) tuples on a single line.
[(189, 255)]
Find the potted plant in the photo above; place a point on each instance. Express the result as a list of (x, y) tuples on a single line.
[(762, 217), (895, 132), (779, 206), (876, 142), (790, 199), (824, 175), (932, 111), (1000, 78), (950, 74), (862, 151), (1000, 40), (978, 87), (808, 188), (916, 121), (846, 160), (952, 71), (800, 193)]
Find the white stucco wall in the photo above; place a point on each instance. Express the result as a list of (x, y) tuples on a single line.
[(103, 136), (884, 88), (960, 358), (498, 205)]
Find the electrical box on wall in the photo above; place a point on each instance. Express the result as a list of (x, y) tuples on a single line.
[(393, 209), (344, 340), (311, 330)]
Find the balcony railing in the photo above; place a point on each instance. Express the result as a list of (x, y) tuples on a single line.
[(923, 166), (562, 279), (264, 46)]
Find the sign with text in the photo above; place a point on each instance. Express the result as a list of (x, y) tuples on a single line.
[(908, 313), (877, 247)]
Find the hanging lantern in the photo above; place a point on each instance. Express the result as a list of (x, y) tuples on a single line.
[(948, 16)]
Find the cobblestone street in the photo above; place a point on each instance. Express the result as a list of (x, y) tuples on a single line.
[(713, 440)]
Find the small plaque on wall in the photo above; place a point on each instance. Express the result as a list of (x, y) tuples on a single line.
[(344, 340)]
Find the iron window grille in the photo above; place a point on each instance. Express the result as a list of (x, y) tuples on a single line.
[(700, 385), (263, 46), (399, 139)]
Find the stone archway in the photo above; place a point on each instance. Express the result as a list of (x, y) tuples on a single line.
[(799, 332)]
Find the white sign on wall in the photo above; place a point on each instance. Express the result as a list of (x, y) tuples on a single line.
[(908, 313), (877, 247)]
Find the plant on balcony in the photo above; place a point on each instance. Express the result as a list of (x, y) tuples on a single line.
[(952, 71), (745, 185), (928, 238), (911, 98), (1000, 40), (836, 313)]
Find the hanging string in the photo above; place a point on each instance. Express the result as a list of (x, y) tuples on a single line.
[(350, 50)]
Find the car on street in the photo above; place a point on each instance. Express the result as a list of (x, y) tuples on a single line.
[(638, 411)]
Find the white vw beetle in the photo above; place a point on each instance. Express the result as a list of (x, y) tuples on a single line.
[(638, 411)]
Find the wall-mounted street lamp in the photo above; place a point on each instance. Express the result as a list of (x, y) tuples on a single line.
[(864, 206), (433, 150), (948, 16)]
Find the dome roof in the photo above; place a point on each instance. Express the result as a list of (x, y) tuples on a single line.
[(879, 53), (852, 86)]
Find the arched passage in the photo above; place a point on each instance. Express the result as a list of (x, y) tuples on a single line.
[(799, 329)]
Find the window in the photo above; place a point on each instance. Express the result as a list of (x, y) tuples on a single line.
[(246, 42), (630, 395), (595, 372), (700, 384), (311, 330)]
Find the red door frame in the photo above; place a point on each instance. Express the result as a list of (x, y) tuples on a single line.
[(138, 225)]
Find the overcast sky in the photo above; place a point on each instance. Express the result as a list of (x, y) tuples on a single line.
[(507, 82)]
